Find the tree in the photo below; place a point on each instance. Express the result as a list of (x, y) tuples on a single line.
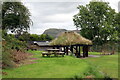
[(42, 37), (25, 36), (48, 37), (117, 24), (34, 37), (45, 37), (15, 17), (96, 22)]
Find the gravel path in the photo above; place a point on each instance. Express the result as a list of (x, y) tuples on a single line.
[(90, 56)]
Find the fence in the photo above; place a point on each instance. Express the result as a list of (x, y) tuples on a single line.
[(109, 47)]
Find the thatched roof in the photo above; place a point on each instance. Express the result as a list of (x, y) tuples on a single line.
[(70, 38)]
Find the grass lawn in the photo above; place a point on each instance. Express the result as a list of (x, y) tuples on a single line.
[(94, 53), (66, 67), (107, 64)]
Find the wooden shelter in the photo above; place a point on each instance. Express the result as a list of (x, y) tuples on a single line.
[(72, 41)]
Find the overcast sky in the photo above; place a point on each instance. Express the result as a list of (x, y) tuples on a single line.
[(53, 14)]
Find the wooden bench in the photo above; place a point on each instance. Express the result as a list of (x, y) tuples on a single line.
[(60, 53), (46, 53)]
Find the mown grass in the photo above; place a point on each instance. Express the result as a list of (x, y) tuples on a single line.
[(66, 67), (54, 67), (95, 53), (107, 64)]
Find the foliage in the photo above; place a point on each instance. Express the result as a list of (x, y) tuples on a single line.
[(15, 17), (24, 37), (6, 56), (12, 41), (45, 37), (34, 37), (96, 22), (117, 24), (7, 61), (9, 44)]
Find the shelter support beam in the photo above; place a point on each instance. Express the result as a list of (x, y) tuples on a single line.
[(71, 49), (84, 54), (64, 50), (86, 49), (67, 50), (79, 52)]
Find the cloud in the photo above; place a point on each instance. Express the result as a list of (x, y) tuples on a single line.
[(114, 4), (43, 12), (43, 26), (56, 14), (47, 15)]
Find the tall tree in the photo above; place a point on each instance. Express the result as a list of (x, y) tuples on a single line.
[(96, 22), (25, 36), (15, 17), (117, 24)]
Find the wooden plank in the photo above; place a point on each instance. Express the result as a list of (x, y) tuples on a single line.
[(76, 51), (66, 50), (79, 52), (84, 51), (71, 49), (46, 53)]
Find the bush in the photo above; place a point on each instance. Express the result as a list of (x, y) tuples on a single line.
[(7, 61), (10, 43)]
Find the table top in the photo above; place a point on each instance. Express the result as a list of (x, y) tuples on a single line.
[(53, 49)]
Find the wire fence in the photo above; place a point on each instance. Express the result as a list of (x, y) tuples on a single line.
[(108, 48)]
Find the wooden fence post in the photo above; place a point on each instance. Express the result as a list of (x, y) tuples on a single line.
[(67, 50)]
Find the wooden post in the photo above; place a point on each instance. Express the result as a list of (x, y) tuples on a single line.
[(67, 50), (57, 47), (53, 47), (86, 51), (64, 50), (79, 52), (83, 51), (71, 49)]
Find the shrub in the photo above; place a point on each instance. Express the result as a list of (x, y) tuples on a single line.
[(7, 61), (9, 44)]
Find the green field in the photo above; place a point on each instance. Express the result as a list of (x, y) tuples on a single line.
[(66, 67)]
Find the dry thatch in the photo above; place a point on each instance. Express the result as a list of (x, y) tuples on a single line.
[(70, 38)]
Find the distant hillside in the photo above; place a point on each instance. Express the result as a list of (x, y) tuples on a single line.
[(78, 31), (55, 32)]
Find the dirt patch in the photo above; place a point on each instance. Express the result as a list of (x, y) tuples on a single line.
[(34, 58), (30, 60)]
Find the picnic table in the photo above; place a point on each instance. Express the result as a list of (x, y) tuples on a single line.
[(56, 52)]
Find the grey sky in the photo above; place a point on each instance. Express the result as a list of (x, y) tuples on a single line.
[(59, 15), (119, 6)]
